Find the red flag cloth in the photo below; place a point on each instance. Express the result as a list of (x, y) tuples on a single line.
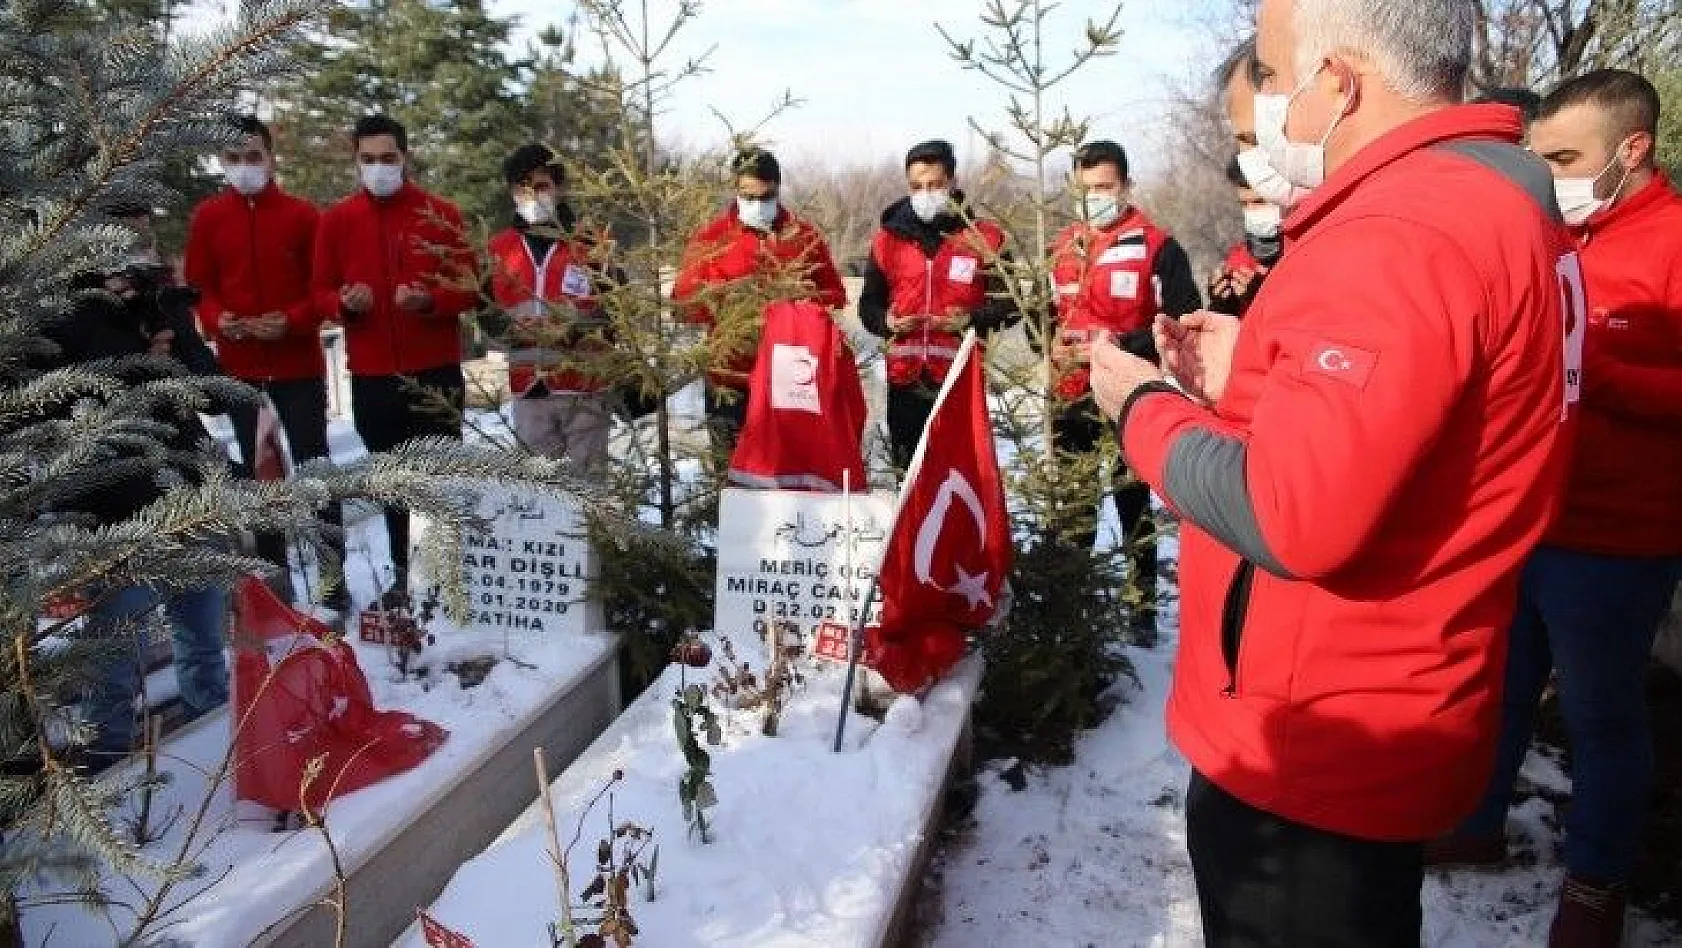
[(806, 410), (271, 461), (299, 695), (437, 936), (950, 549)]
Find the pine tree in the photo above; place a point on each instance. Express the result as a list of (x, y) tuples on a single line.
[(1059, 648), (90, 117)]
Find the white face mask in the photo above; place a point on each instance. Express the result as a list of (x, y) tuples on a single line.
[(1264, 221), (1266, 180), (757, 213), (382, 181), (248, 180), (1301, 164), (928, 204), (536, 210), (1100, 210), (1577, 201)]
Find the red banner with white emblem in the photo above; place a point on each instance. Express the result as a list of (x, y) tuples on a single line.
[(949, 553)]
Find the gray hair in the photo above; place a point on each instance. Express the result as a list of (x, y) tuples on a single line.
[(1422, 48)]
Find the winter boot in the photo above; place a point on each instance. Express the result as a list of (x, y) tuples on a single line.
[(1589, 916)]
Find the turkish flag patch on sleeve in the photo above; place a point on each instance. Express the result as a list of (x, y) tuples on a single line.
[(1351, 365)]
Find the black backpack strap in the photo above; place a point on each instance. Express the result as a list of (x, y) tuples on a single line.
[(1526, 171)]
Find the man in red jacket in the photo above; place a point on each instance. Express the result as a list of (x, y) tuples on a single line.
[(1593, 594), (392, 265), (1115, 271), (1361, 466), (756, 251), (1247, 263), (932, 273), (544, 282), (249, 251)]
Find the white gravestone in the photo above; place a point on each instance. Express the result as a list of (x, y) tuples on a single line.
[(794, 556), (530, 572)]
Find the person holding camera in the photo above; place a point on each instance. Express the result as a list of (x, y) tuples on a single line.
[(1114, 271), (138, 310), (249, 251)]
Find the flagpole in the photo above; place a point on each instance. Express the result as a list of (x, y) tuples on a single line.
[(856, 647)]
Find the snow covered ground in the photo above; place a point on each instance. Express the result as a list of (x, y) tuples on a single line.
[(1093, 854), (811, 846)]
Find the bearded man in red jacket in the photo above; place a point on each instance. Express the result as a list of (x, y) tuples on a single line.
[(755, 239), (1594, 593), (249, 251), (392, 265), (1361, 466)]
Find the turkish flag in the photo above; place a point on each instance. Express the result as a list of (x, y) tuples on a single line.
[(437, 936), (806, 409), (950, 551)]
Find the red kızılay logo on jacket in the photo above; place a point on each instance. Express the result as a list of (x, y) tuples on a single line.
[(794, 379)]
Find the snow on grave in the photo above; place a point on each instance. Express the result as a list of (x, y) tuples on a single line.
[(807, 846), (810, 847), (398, 840)]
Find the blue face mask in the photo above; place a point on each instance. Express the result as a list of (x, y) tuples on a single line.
[(757, 213)]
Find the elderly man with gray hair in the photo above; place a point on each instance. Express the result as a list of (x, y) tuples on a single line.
[(1361, 468)]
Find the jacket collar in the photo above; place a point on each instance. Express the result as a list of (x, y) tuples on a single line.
[(1657, 191), (1497, 122)]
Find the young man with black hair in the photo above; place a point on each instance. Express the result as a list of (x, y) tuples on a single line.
[(544, 279), (933, 272), (755, 238), (1247, 264), (249, 251), (1591, 597), (391, 264), (1114, 271)]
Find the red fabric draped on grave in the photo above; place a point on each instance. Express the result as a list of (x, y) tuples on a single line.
[(299, 696)]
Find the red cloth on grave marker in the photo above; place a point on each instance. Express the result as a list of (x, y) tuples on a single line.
[(299, 695)]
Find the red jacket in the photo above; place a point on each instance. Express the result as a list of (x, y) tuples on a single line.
[(250, 257), (724, 252), (411, 237), (926, 287), (1624, 492), (520, 281), (1386, 453), (1103, 277)]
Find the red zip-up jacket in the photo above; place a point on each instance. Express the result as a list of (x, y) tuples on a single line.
[(522, 282), (1624, 493), (411, 237), (724, 251), (1117, 278), (1357, 506), (926, 287), (249, 257)]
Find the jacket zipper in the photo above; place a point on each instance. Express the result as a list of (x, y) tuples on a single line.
[(257, 273), (390, 287), (1233, 615), (928, 311)]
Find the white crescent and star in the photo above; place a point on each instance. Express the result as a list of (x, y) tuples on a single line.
[(1333, 360), (972, 587)]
